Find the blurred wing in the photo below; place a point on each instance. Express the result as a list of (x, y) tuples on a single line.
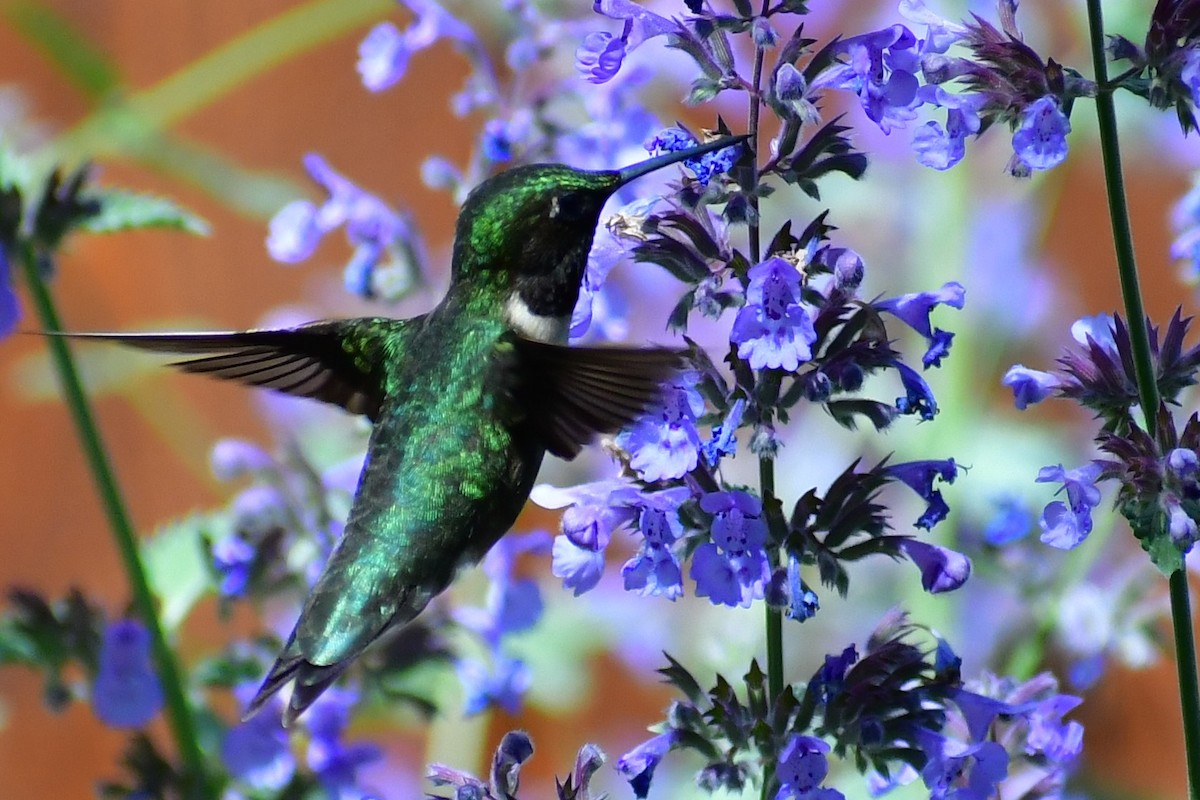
[(342, 362), (573, 393)]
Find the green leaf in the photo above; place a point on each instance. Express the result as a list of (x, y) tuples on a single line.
[(175, 562), (1164, 553), (122, 210)]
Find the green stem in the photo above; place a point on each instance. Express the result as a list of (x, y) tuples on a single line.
[(179, 711), (1185, 648)]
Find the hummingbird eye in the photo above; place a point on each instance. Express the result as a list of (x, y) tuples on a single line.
[(568, 207)]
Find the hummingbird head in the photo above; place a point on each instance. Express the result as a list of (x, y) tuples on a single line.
[(527, 231)]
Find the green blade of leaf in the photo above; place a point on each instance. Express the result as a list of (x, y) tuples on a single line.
[(122, 210)]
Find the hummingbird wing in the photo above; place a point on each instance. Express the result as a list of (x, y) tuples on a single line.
[(336, 361), (574, 393)]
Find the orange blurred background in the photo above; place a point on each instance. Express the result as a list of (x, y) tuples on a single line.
[(54, 535)]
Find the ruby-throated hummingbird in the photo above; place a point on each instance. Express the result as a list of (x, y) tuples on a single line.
[(465, 401)]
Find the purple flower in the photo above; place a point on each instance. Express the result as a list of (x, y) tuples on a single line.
[(732, 569), (600, 56), (126, 692), (920, 476), (594, 511), (1065, 525), (914, 310), (1030, 386), (773, 330), (707, 166), (881, 70), (793, 95), (942, 569), (372, 228), (1040, 140), (232, 558), (960, 771), (638, 765), (257, 752), (655, 569), (383, 55), (1097, 329), (1011, 522), (235, 458), (10, 309), (918, 398), (724, 436), (336, 763), (827, 682), (941, 148), (502, 685), (801, 767), (664, 443)]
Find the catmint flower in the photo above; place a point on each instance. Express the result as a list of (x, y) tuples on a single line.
[(942, 569), (1185, 218), (732, 569), (126, 692), (501, 685), (705, 167), (941, 148), (234, 458), (918, 398), (961, 771), (920, 476), (801, 767), (383, 55), (914, 310), (439, 173), (232, 557), (881, 69), (655, 569), (601, 54), (774, 330), (664, 443), (1012, 521), (372, 228), (1030, 386), (258, 510), (594, 511), (10, 309), (1065, 525), (336, 763), (1040, 140), (257, 752), (724, 436), (1097, 329), (638, 765)]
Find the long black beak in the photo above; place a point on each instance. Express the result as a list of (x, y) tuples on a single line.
[(641, 168)]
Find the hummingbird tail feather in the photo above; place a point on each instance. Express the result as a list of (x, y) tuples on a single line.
[(311, 680)]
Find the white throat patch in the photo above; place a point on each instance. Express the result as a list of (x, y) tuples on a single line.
[(552, 330)]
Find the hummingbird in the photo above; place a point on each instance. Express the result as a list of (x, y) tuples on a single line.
[(464, 400)]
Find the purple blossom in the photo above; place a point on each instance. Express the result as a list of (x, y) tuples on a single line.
[(881, 70), (793, 95), (707, 166), (336, 763), (920, 476), (233, 557), (914, 310), (773, 330), (1012, 521), (664, 443), (801, 767), (383, 55), (502, 685), (941, 148), (1065, 525), (1040, 140), (1185, 218), (10, 309), (655, 569), (126, 692), (918, 398), (372, 228), (942, 569), (638, 765), (1096, 329), (1030, 386), (235, 458), (961, 771), (256, 752), (724, 436), (732, 569), (594, 511), (600, 56)]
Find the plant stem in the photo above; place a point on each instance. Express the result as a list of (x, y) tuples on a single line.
[(1185, 648), (179, 711)]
